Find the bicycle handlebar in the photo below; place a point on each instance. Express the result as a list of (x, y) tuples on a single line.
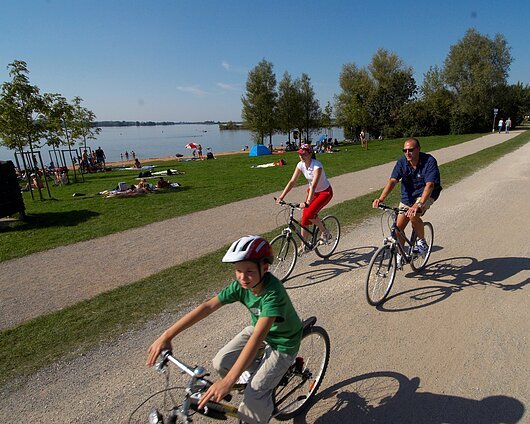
[(167, 356), (386, 207), (291, 205)]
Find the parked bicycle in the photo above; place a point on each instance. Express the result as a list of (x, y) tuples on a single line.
[(285, 248), (178, 404), (384, 262)]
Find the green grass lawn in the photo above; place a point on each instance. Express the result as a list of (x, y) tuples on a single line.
[(65, 219), (75, 329)]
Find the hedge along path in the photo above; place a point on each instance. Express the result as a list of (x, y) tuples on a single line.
[(51, 280)]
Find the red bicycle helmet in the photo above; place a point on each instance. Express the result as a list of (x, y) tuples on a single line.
[(249, 248)]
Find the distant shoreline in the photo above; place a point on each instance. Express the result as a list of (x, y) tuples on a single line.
[(106, 124)]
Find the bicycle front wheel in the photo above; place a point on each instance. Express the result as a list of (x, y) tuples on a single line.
[(285, 255), (159, 405), (301, 382), (419, 262), (381, 274), (327, 245)]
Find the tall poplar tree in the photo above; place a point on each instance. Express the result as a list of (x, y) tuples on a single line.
[(259, 101), (289, 110)]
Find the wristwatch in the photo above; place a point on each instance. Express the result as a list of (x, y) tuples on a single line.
[(420, 204)]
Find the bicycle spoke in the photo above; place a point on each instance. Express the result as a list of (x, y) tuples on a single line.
[(327, 243), (381, 274), (419, 262), (285, 255), (305, 376)]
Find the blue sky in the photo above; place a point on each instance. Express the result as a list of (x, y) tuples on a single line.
[(188, 60)]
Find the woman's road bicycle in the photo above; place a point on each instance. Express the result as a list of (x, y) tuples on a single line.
[(384, 262), (285, 247), (178, 404)]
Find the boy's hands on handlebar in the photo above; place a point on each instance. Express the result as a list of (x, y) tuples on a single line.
[(217, 391), (155, 349)]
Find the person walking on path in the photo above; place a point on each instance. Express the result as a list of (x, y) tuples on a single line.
[(364, 139), (508, 125), (319, 191), (501, 123), (420, 187)]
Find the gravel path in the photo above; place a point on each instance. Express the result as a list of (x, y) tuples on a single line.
[(83, 270), (449, 346)]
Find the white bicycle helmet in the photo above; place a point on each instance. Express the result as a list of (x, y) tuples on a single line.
[(249, 248)]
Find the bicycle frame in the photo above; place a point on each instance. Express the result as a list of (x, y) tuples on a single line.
[(395, 240), (292, 228), (194, 389)]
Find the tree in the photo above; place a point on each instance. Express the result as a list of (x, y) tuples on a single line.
[(59, 121), (350, 105), (437, 100), (289, 111), (83, 122), (475, 68), (22, 109), (394, 86), (311, 113), (259, 102), (327, 117)]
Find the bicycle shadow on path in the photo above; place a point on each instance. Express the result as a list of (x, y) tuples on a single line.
[(459, 273), (391, 397), (327, 269)]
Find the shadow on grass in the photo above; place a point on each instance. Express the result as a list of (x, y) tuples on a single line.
[(52, 219)]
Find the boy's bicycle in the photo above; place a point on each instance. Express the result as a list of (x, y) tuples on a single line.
[(285, 247), (178, 404), (383, 265)]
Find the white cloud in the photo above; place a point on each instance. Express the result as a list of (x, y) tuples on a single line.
[(232, 68), (193, 90), (227, 86)]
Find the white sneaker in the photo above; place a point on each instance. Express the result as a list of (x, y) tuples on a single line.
[(325, 238), (302, 250), (421, 247)]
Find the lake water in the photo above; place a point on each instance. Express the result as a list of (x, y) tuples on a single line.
[(167, 140)]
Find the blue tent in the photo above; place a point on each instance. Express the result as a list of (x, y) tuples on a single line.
[(259, 150), (322, 138)]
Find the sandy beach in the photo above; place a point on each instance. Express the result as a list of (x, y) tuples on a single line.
[(144, 161)]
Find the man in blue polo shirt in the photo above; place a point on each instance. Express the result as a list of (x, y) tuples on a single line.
[(420, 187)]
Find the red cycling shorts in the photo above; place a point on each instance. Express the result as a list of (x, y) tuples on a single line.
[(319, 200)]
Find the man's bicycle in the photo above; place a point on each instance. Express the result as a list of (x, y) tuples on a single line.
[(178, 404), (384, 263), (285, 247)]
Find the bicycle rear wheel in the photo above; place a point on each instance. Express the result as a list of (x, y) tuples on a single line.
[(301, 382), (419, 262), (381, 274), (326, 248), (285, 255)]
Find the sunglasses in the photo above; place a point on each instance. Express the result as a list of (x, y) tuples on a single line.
[(409, 150)]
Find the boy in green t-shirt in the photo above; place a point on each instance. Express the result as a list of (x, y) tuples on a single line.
[(274, 321)]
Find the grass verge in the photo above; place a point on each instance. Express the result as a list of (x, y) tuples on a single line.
[(67, 219), (42, 341)]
